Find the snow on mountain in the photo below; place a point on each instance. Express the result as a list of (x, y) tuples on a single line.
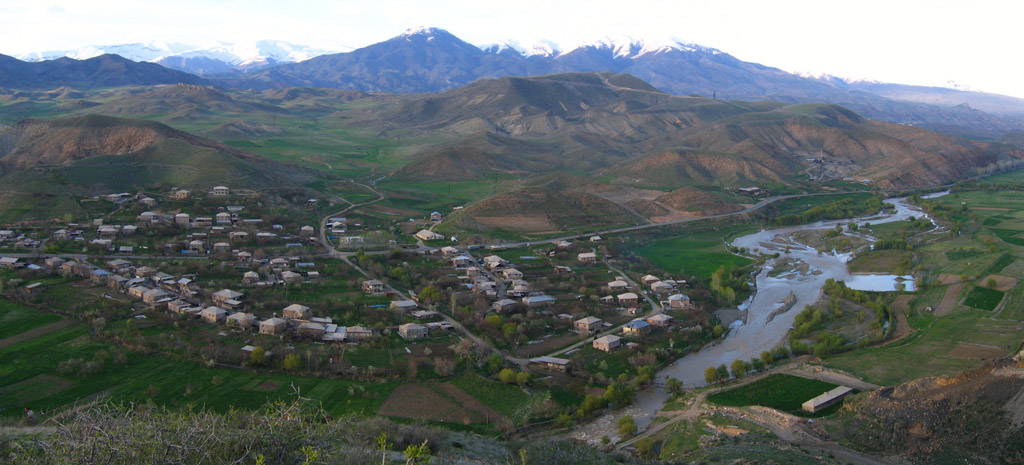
[(545, 48), (631, 47), (238, 55)]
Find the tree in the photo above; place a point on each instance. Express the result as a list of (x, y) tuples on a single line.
[(258, 356), (674, 386), (645, 446), (417, 454), (507, 376), (523, 377), (627, 426), (718, 331), (738, 370), (991, 282), (429, 294), (711, 375), (645, 374), (723, 372), (494, 362), (563, 420), (292, 362), (767, 358)]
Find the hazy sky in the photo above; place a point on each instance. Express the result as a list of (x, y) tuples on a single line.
[(972, 43)]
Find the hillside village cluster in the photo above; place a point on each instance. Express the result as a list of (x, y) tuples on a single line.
[(617, 318)]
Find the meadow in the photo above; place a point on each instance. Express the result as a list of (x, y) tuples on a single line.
[(781, 392)]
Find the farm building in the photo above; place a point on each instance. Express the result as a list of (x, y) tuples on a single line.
[(427, 235), (550, 363), (607, 343), (403, 306), (826, 400)]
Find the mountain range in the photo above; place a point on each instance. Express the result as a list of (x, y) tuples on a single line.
[(434, 60)]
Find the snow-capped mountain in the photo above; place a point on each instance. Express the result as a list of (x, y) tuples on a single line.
[(633, 47), (206, 58)]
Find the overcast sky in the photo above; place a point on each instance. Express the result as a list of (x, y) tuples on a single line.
[(972, 43)]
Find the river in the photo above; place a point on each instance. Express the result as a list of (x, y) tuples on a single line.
[(758, 334)]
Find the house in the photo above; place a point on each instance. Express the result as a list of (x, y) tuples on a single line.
[(221, 247), (637, 327), (595, 239), (519, 289), (373, 286), (494, 261), (61, 235), (448, 251), (221, 191), (119, 265), (587, 257), (661, 287), (462, 261), (618, 285), (144, 272), (137, 291), (435, 216), (54, 262), (560, 269), (423, 314), (427, 235), (660, 319), (311, 330), (116, 282), (359, 333), (679, 301), (108, 231), (563, 244), (560, 365), (296, 312), (244, 256), (250, 277), (241, 320), (504, 305), (751, 191), (202, 222), (588, 325), (99, 276), (182, 194), (238, 236), (292, 277), (213, 314), (10, 262), (198, 246), (607, 343), (147, 201), (538, 300), (412, 331), (335, 333), (306, 231), (403, 306), (153, 295), (182, 219), (512, 274), (649, 279), (273, 326), (628, 298), (222, 296)]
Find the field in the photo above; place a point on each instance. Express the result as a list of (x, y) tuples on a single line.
[(984, 298), (16, 319), (781, 392), (881, 261), (31, 375), (698, 257)]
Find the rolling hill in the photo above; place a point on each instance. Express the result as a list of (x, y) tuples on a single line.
[(101, 71)]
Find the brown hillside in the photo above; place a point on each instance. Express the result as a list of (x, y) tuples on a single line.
[(689, 199), (687, 167), (538, 209)]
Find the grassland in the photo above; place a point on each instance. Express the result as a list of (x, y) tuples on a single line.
[(16, 318), (781, 392), (692, 256)]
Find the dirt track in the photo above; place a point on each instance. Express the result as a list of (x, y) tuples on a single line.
[(36, 332)]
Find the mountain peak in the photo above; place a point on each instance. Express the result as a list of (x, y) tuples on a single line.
[(623, 46), (424, 31)]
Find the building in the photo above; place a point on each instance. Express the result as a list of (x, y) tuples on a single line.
[(426, 235), (618, 285), (182, 194), (296, 312), (607, 343), (222, 296), (649, 279), (412, 331), (311, 330), (595, 239), (10, 262), (512, 274), (213, 314), (223, 217), (221, 191), (662, 287), (588, 325), (306, 231), (449, 251), (628, 298), (435, 216), (182, 219), (359, 333), (538, 300), (560, 365), (587, 257), (241, 320), (250, 277), (403, 306), (292, 277), (373, 286), (660, 319), (679, 301), (637, 328), (504, 305), (826, 400), (273, 326)]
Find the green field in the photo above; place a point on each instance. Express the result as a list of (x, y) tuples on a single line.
[(781, 392), (695, 257), (984, 298), (1004, 261), (16, 319), (510, 400), (30, 376)]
